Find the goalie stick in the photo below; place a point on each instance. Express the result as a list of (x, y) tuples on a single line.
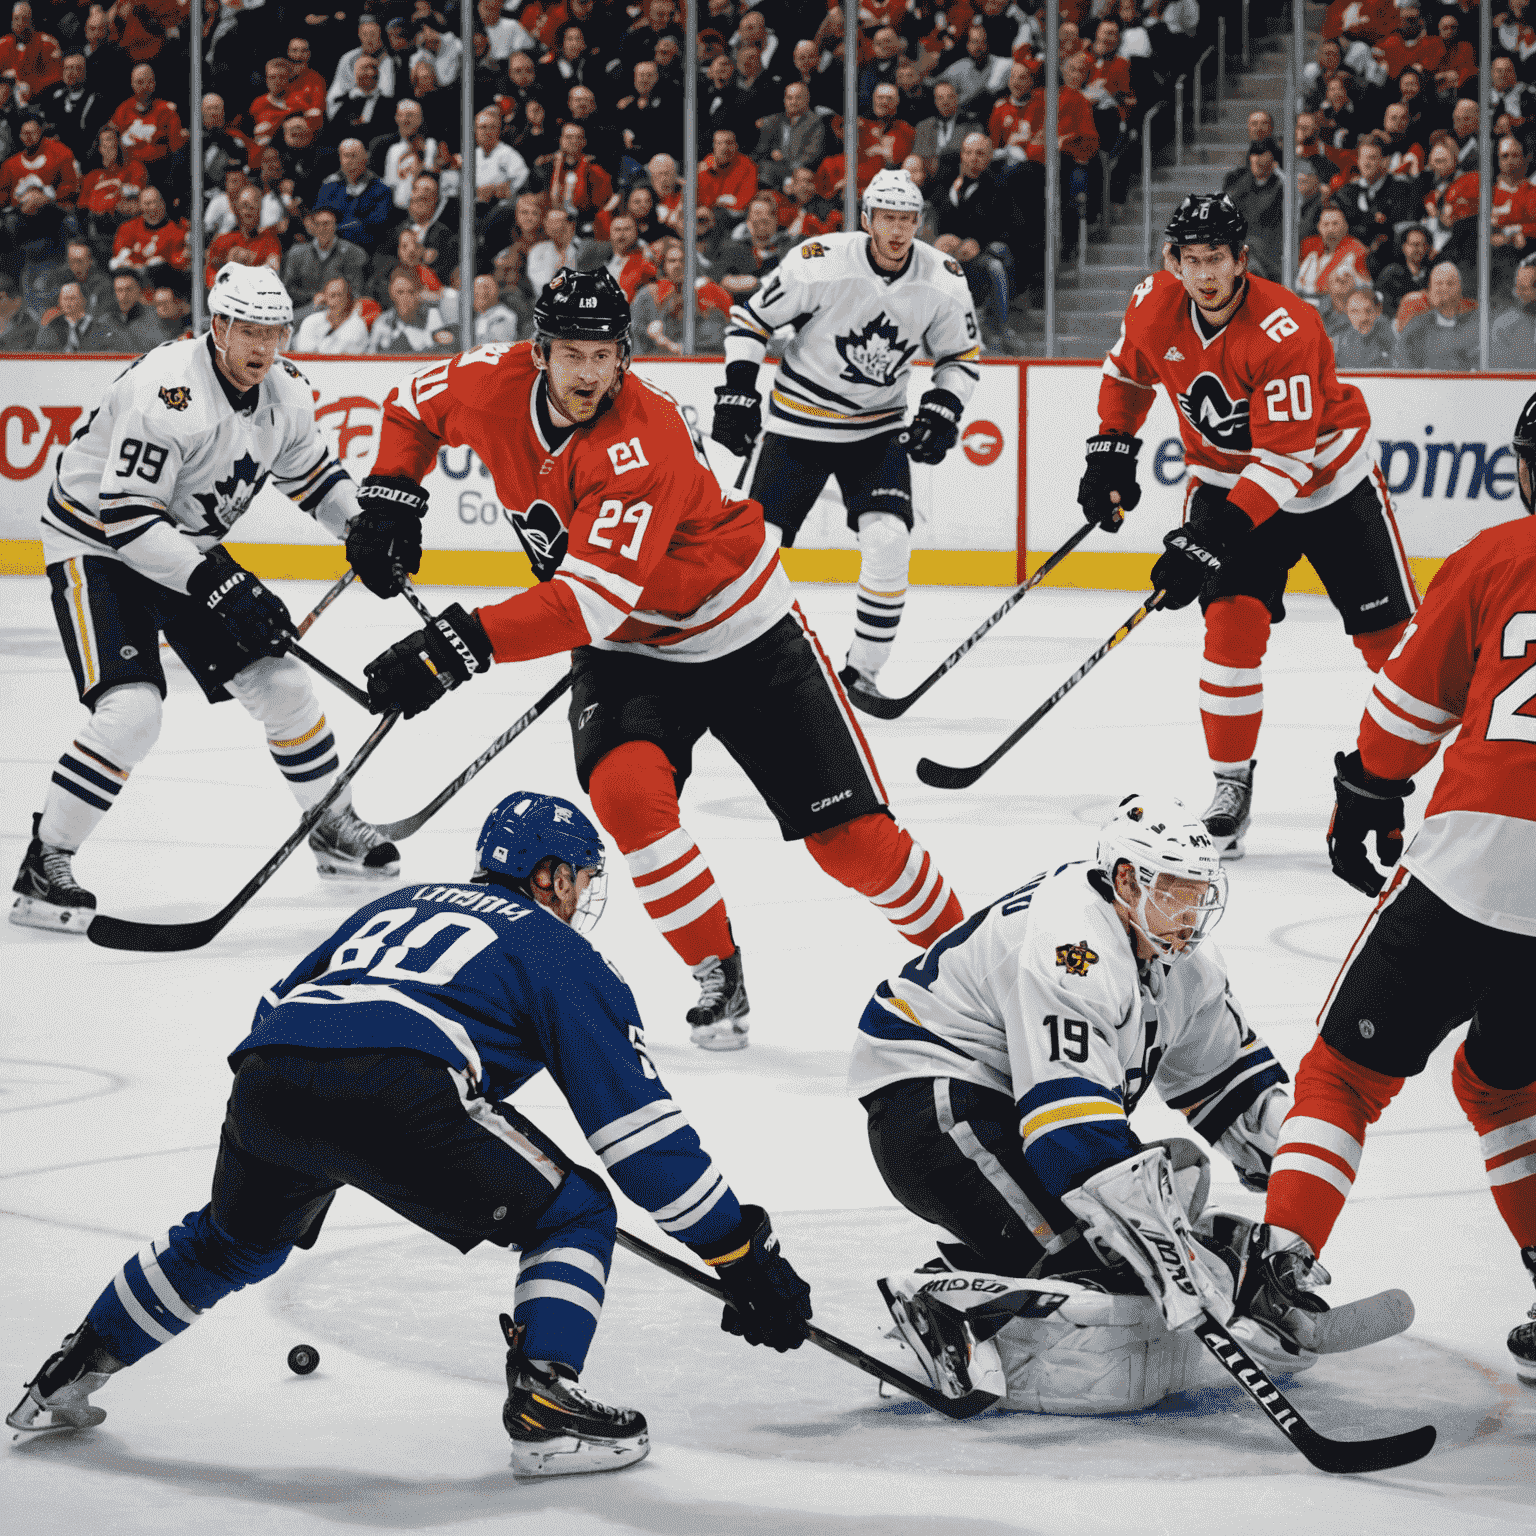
[(123, 933), (850, 1354), (941, 776), (884, 708), (1324, 1454)]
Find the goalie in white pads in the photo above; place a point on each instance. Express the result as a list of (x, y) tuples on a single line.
[(999, 1070), (860, 307), (144, 496)]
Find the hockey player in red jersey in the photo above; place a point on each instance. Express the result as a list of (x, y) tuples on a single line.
[(1280, 466), (1453, 935), (679, 617)]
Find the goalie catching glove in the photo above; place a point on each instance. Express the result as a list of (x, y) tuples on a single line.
[(384, 539), (1194, 554), (254, 617), (1111, 468), (934, 428), (1364, 803), (738, 410), (414, 673), (770, 1304)]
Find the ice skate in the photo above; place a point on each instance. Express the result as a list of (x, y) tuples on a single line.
[(957, 1357), (556, 1429), (719, 1018), (62, 1389), (1276, 1312), (347, 847), (1522, 1339), (47, 894), (860, 683), (1226, 818)]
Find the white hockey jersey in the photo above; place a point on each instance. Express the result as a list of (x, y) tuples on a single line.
[(1040, 996), (166, 465), (856, 330)]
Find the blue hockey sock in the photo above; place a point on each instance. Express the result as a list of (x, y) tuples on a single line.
[(561, 1282), (161, 1290)]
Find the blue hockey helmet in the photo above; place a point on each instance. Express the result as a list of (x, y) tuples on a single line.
[(526, 828)]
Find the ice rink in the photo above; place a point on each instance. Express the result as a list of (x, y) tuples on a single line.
[(114, 1082)]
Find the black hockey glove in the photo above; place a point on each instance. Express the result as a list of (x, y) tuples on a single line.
[(1192, 555), (414, 673), (738, 410), (1364, 804), (384, 539), (770, 1304), (254, 617), (1111, 467), (933, 430)]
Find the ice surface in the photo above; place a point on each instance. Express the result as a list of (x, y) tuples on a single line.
[(113, 1083)]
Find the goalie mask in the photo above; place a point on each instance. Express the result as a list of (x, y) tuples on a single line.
[(1181, 888), (525, 829)]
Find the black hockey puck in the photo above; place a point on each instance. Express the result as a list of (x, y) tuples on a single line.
[(302, 1359)]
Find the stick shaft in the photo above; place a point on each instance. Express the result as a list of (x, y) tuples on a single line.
[(331, 675), (346, 578)]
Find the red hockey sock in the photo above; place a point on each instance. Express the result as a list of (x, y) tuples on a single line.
[(1322, 1141), (634, 792), (1505, 1121), (1379, 644), (873, 856), (1231, 683)]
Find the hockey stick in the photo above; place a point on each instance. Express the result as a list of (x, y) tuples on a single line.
[(123, 933), (332, 676), (398, 831), (1325, 1454), (888, 709), (951, 1407), (347, 577), (942, 777)]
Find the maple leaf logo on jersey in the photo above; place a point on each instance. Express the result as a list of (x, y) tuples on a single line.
[(543, 537), (1221, 421), (230, 498), (875, 355), (1076, 958)]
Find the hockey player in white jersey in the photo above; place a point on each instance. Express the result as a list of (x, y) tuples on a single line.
[(999, 1071), (133, 535), (860, 307)]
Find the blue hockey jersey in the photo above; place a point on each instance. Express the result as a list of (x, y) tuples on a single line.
[(487, 981)]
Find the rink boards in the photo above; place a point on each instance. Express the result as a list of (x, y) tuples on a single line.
[(997, 506)]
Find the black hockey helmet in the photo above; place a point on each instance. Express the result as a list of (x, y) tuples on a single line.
[(1207, 218), (582, 306), (1524, 444)]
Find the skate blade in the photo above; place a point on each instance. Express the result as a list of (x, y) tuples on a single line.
[(1230, 849), (25, 1418), (331, 870), (29, 912), (569, 1456), (721, 1037)]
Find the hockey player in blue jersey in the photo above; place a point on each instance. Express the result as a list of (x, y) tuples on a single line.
[(384, 1060)]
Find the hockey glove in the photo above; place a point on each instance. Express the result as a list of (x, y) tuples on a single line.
[(1364, 804), (933, 430), (414, 673), (255, 618), (770, 1304), (1193, 555), (738, 410), (1111, 467), (384, 539)]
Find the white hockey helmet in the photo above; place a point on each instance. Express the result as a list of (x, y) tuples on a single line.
[(255, 294), (893, 189), (1161, 838)]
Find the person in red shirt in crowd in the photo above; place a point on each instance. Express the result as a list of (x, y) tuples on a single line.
[(1109, 90), (1009, 127), (43, 161), (1369, 21), (727, 179), (830, 177), (662, 329), (268, 113), (139, 27), (152, 238), (802, 210), (1411, 44), (306, 86), (1459, 53), (150, 129), (886, 138), (109, 173), (573, 179), (1332, 246), (627, 260), (34, 58), (247, 244), (1076, 135)]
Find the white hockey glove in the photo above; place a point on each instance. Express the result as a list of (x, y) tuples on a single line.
[(1250, 1141), (1131, 1213)]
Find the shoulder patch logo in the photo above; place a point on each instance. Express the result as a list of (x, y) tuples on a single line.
[(874, 355), (1076, 958), (813, 248), (1221, 421), (951, 265), (1173, 355), (176, 397), (293, 373), (627, 456)]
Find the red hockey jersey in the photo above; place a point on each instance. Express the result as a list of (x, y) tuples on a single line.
[(1468, 659), (50, 166), (1261, 410), (634, 544)]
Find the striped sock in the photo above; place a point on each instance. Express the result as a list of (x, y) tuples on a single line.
[(559, 1300), (919, 904), (681, 896), (1231, 678), (1505, 1121), (876, 616), (306, 760), (85, 787)]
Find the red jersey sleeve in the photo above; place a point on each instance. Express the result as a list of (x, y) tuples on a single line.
[(1130, 376)]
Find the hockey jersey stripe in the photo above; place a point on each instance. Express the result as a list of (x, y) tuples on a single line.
[(1253, 1056), (1068, 1116), (1215, 1119), (309, 503), (360, 994), (1416, 709), (787, 408), (600, 613), (659, 1129), (610, 582), (1389, 720), (700, 1196), (626, 1125), (800, 385), (1055, 1089), (1061, 1159), (883, 1025), (1506, 1138)]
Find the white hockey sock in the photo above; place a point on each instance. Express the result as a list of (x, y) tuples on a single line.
[(884, 548), (276, 691), (92, 770)]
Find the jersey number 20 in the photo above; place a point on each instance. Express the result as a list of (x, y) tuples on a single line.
[(1506, 720)]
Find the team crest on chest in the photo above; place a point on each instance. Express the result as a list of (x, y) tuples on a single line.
[(874, 355), (1220, 420), (1076, 958), (542, 535), (230, 498), (175, 397)]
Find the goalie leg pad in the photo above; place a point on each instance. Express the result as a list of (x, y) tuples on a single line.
[(949, 1320)]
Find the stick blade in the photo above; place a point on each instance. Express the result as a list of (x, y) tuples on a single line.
[(1355, 1456), (398, 831), (878, 705), (1358, 1323), (152, 938), (941, 776)]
